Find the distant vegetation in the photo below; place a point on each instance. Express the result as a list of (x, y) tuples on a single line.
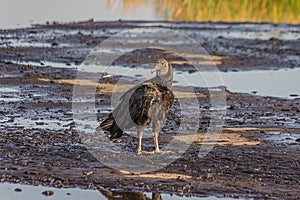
[(273, 11)]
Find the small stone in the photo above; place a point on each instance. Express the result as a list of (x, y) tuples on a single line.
[(48, 193), (54, 44), (298, 140), (18, 190)]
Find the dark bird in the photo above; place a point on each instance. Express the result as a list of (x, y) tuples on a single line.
[(143, 104)]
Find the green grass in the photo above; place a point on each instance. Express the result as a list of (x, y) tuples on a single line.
[(273, 11)]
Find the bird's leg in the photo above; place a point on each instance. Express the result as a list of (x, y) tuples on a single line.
[(156, 142), (156, 130), (140, 134)]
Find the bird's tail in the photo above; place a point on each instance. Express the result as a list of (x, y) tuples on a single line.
[(111, 126)]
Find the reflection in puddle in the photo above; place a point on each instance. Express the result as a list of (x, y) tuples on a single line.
[(21, 192)]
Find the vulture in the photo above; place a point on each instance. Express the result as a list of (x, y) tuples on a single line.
[(144, 104)]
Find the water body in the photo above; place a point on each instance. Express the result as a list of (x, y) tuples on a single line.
[(282, 83), (21, 192), (11, 191), (278, 83)]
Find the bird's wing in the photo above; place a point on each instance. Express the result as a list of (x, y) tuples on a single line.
[(138, 106), (164, 104), (134, 108), (167, 97), (141, 102)]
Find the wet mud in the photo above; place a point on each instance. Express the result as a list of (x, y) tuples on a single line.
[(256, 156), (233, 46)]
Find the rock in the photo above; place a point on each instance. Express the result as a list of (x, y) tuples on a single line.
[(48, 193), (54, 44)]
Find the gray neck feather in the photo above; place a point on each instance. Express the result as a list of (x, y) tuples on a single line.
[(164, 80)]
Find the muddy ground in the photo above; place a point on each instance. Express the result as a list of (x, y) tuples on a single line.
[(257, 155)]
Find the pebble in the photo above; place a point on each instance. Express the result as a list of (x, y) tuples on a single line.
[(48, 193)]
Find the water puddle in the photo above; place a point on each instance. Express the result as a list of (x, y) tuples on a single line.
[(278, 83), (9, 94), (10, 99), (46, 124), (262, 34), (8, 90), (48, 64), (29, 43), (20, 43), (21, 192), (291, 140), (257, 32), (282, 83), (10, 75)]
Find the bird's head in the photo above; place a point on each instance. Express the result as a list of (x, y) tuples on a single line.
[(161, 68)]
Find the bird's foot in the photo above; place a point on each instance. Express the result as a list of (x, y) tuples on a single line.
[(167, 152), (139, 151), (154, 152), (162, 152), (157, 151), (147, 152)]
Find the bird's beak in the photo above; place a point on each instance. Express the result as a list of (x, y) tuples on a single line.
[(107, 76), (154, 69)]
